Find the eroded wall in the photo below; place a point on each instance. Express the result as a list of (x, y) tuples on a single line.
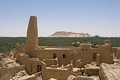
[(105, 53), (59, 74), (7, 73), (32, 65), (84, 55)]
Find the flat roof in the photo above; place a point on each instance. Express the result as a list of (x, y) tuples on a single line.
[(58, 49)]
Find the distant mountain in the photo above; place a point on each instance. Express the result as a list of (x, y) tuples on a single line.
[(69, 34)]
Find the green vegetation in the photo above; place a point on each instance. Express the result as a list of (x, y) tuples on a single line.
[(8, 43)]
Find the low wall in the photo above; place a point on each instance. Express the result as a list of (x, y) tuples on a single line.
[(50, 62), (59, 74)]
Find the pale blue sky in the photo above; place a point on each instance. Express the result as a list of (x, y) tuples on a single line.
[(101, 17)]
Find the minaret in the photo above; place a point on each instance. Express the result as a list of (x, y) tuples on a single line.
[(32, 35)]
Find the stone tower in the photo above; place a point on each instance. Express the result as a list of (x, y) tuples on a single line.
[(32, 35)]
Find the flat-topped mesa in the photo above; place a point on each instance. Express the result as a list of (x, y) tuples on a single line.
[(32, 35)]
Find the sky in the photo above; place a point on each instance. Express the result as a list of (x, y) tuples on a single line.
[(96, 17)]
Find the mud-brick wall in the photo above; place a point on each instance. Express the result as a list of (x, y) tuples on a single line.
[(7, 73), (59, 74)]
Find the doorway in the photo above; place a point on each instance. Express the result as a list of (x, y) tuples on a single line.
[(94, 57), (39, 67), (54, 56)]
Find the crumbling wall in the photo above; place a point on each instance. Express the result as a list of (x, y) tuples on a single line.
[(109, 71), (105, 54), (22, 75), (36, 66), (84, 55), (86, 78), (19, 48), (7, 73), (59, 74), (32, 65), (91, 69), (23, 59)]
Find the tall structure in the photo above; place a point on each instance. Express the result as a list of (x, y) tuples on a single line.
[(49, 60), (80, 56), (32, 35)]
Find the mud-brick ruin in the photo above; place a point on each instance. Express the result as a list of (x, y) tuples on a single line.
[(30, 61)]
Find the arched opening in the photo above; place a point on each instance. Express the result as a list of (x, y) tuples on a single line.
[(39, 67)]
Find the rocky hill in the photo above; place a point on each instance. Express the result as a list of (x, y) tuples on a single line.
[(69, 34)]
